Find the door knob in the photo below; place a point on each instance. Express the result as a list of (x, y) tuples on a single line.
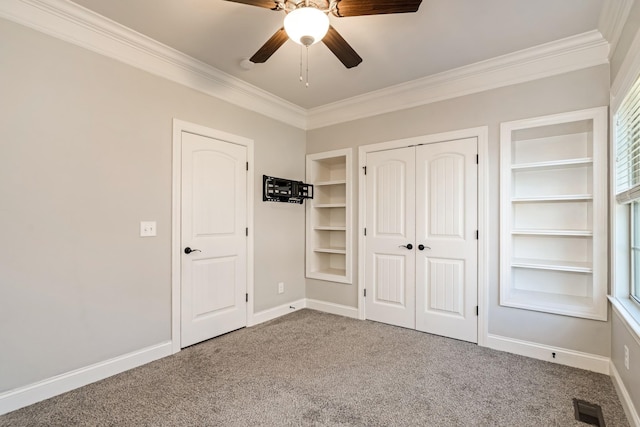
[(408, 246), (188, 250), (422, 247)]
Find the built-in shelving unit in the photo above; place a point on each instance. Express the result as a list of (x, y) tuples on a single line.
[(328, 243), (554, 215)]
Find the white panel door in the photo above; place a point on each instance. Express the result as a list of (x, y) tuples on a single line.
[(447, 247), (421, 252), (214, 243), (390, 210)]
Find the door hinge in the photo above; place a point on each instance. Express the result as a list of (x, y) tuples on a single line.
[(477, 159), (477, 235), (246, 231), (246, 297), (364, 168), (365, 231), (365, 293), (477, 311), (247, 165)]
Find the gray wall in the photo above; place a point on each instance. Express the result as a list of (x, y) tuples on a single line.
[(622, 336), (573, 91), (85, 154)]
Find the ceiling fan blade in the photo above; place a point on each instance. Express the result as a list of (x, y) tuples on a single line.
[(375, 7), (269, 4), (341, 48), (270, 47)]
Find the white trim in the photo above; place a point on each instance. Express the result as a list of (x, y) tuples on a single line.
[(613, 16), (284, 309), (627, 75), (313, 162), (41, 390), (626, 310), (596, 306), (180, 126), (628, 313), (329, 307), (33, 393), (576, 359), (275, 312), (70, 22), (482, 135), (75, 24), (625, 399), (557, 57)]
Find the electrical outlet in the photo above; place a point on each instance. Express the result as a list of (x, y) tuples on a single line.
[(626, 357), (147, 228), (281, 287)]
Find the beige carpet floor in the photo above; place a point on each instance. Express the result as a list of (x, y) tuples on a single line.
[(315, 369)]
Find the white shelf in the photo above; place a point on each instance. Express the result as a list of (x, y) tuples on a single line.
[(569, 233), (328, 239), (553, 209), (566, 305), (540, 264), (330, 274), (567, 198), (326, 183), (556, 164), (329, 205), (331, 250)]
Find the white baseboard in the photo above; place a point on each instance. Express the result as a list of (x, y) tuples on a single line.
[(632, 414), (24, 396), (28, 395), (563, 356), (329, 307), (275, 312), (41, 390)]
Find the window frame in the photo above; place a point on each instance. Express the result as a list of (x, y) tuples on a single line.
[(634, 249), (626, 307)]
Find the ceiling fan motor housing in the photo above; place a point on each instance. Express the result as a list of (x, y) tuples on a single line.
[(307, 40)]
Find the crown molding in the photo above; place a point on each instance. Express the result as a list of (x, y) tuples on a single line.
[(627, 75), (77, 25), (613, 16), (557, 57)]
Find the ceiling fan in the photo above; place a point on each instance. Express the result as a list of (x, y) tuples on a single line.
[(301, 15)]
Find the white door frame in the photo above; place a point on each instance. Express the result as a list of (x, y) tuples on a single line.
[(482, 134), (176, 218)]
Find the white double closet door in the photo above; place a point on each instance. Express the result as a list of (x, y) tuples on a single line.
[(421, 247)]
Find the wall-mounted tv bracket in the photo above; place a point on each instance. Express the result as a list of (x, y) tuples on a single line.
[(285, 190)]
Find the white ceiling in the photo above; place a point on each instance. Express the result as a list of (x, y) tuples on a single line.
[(442, 35)]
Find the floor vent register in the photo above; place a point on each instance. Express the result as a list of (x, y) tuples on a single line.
[(589, 413)]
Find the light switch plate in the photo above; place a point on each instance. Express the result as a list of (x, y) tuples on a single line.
[(147, 228)]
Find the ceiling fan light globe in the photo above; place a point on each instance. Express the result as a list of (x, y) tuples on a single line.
[(306, 25)]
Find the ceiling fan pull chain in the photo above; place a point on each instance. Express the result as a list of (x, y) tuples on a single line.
[(300, 63), (307, 84)]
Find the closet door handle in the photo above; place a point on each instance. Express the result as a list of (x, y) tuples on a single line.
[(408, 246), (422, 247), (188, 250)]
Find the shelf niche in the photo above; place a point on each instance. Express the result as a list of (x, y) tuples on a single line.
[(553, 214), (328, 216)]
